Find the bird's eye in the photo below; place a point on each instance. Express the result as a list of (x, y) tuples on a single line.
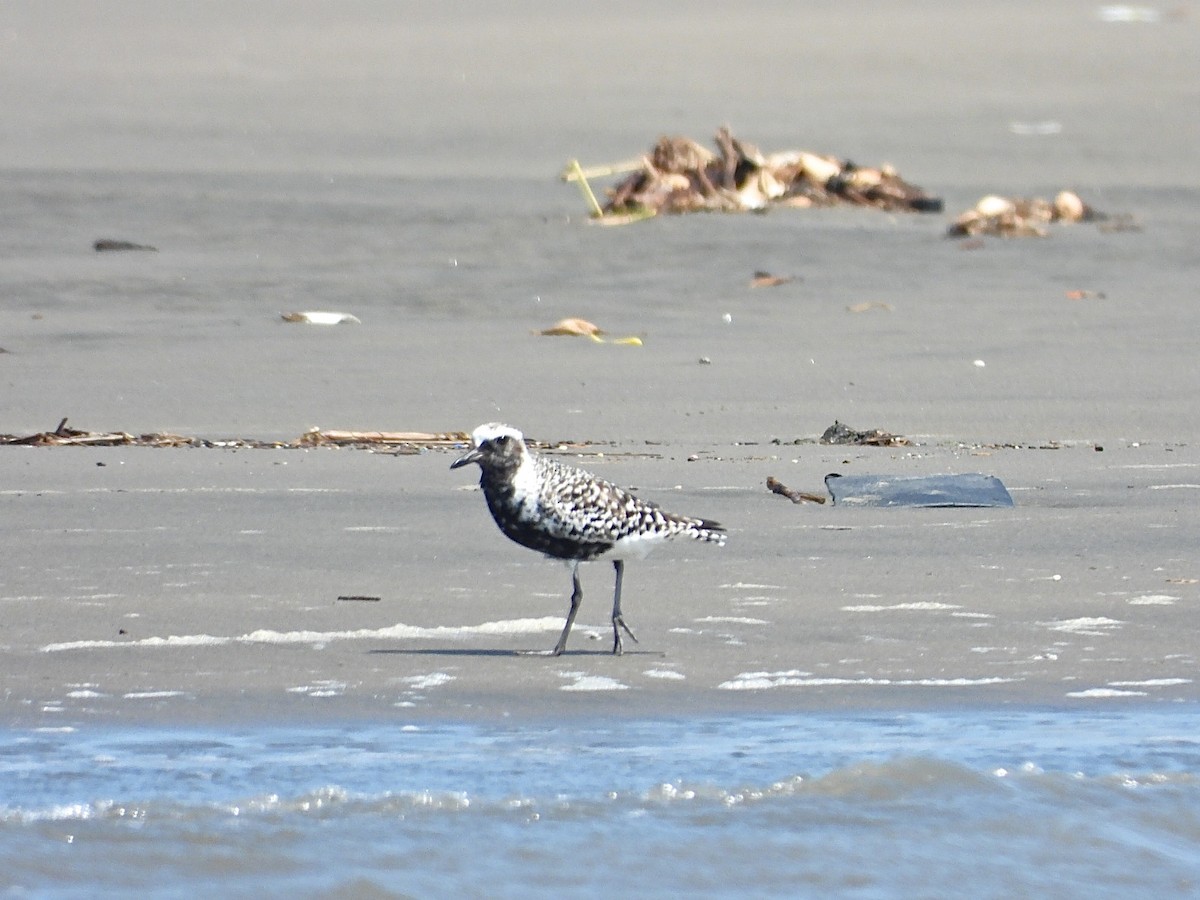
[(502, 441)]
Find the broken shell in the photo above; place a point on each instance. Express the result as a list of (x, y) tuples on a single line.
[(863, 178), (819, 168), (766, 279), (993, 205), (573, 327), (318, 317), (1068, 207)]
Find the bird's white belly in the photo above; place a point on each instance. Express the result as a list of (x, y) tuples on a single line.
[(635, 546)]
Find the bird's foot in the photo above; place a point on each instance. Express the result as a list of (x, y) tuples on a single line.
[(618, 625)]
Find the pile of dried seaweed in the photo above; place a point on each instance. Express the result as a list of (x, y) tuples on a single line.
[(679, 175)]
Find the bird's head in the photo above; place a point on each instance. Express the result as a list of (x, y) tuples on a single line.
[(495, 447)]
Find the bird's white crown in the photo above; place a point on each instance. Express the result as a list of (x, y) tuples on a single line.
[(493, 430)]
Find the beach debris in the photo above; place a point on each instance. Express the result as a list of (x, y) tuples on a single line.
[(321, 317), (394, 441), (108, 245), (777, 487), (1082, 294), (62, 436), (1022, 216), (575, 172), (359, 598), (967, 490), (316, 437), (766, 279), (869, 305), (838, 433), (1122, 13), (680, 175), (574, 327)]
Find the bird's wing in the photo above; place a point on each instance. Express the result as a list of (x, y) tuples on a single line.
[(591, 508)]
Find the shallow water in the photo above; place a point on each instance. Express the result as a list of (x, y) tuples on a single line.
[(1010, 803)]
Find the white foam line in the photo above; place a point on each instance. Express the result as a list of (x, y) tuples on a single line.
[(1103, 693), (584, 682), (174, 640), (733, 620), (1093, 626), (1168, 487), (757, 681), (1183, 465), (424, 682), (1151, 682), (1152, 600), (266, 636), (920, 606)]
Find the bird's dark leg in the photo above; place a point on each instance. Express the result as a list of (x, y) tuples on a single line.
[(576, 599), (618, 621)]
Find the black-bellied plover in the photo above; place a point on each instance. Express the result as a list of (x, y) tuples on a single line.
[(571, 515)]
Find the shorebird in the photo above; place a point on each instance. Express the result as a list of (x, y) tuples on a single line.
[(569, 514)]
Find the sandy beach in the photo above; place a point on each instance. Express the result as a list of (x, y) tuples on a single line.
[(204, 583), (403, 169)]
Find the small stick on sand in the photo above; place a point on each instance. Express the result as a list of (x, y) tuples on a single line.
[(778, 487), (586, 189)]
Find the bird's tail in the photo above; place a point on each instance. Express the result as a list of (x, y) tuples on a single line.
[(706, 530)]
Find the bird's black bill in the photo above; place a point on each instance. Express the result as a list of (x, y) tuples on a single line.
[(465, 459)]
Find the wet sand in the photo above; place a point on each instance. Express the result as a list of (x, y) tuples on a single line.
[(202, 584)]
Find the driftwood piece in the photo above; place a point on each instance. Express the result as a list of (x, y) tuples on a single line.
[(62, 436), (777, 487), (316, 437)]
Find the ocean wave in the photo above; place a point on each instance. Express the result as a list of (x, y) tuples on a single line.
[(865, 783)]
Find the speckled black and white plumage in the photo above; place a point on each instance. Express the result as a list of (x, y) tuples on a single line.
[(570, 514)]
